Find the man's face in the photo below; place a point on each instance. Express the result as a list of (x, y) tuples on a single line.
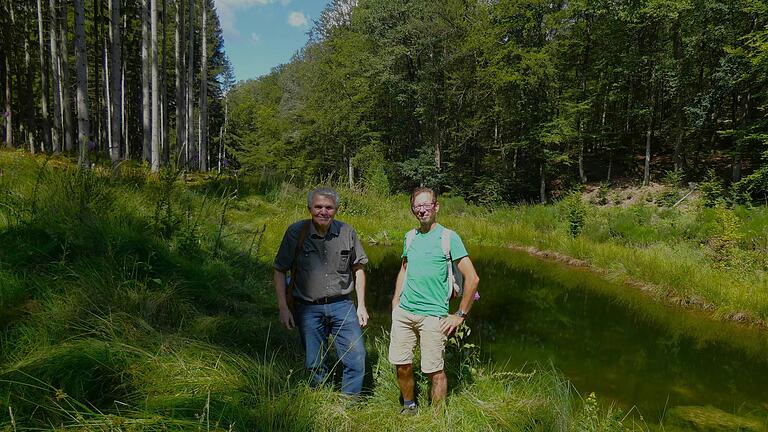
[(322, 210), (425, 208)]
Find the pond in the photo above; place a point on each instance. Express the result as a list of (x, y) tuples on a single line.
[(604, 337)]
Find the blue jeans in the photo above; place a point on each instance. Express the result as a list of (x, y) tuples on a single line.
[(316, 323)]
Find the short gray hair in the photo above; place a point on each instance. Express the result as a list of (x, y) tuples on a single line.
[(323, 191)]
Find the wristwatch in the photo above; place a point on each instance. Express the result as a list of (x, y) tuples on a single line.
[(461, 314)]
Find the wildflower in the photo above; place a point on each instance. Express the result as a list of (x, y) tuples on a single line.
[(91, 146), (476, 297)]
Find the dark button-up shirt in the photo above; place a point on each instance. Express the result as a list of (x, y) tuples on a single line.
[(325, 263)]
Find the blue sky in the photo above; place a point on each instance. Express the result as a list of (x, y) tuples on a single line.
[(261, 34)]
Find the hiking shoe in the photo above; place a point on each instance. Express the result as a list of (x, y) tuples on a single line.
[(409, 410)]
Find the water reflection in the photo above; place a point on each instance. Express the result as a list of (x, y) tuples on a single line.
[(604, 337)]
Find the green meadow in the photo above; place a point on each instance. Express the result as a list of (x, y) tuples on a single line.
[(136, 302)]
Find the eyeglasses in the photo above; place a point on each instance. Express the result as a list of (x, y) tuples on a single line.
[(425, 206)]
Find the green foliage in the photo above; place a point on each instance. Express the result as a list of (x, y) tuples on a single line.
[(724, 241), (575, 212), (373, 167), (712, 190)]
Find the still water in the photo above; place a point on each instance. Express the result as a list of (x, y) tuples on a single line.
[(604, 337)]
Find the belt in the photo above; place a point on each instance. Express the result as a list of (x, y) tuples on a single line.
[(324, 300)]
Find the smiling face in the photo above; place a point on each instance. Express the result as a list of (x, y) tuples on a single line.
[(322, 209), (425, 208)]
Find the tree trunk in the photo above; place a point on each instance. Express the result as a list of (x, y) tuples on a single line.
[(582, 174), (83, 125), (29, 107), (115, 89), (124, 127), (107, 97), (56, 68), (155, 93), (97, 111), (542, 185), (66, 99), (46, 124), (190, 79), (180, 98), (8, 111), (164, 88), (649, 140), (146, 143), (204, 90), (221, 135)]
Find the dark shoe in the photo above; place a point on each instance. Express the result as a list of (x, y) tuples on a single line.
[(411, 410)]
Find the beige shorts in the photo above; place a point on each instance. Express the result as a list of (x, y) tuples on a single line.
[(407, 328)]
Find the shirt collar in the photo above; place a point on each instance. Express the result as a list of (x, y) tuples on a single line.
[(334, 229)]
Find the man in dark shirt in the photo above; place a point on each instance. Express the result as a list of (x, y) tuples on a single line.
[(329, 267)]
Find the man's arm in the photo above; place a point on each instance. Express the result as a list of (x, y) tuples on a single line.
[(362, 312), (471, 280), (399, 283), (286, 317)]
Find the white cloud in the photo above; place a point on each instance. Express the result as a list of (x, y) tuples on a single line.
[(255, 38), (226, 10), (297, 19), (285, 2)]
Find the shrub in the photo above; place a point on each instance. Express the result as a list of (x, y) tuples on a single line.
[(712, 190), (575, 212)]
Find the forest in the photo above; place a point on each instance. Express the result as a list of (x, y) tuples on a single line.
[(114, 79), (508, 101)]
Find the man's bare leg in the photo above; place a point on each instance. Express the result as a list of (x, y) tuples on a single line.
[(405, 380), (439, 386)]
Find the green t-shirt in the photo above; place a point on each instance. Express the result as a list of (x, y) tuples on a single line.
[(426, 290)]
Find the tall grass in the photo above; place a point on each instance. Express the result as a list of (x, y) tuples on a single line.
[(133, 302)]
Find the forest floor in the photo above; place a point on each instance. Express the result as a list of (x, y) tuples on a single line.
[(139, 302)]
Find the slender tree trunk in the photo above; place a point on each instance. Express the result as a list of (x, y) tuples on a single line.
[(155, 93), (204, 91), (8, 110), (542, 185), (221, 134), (180, 98), (115, 90), (146, 143), (66, 99), (107, 98), (582, 174), (29, 108), (56, 68), (164, 88), (190, 78), (649, 140), (123, 115), (83, 125), (97, 111), (46, 124)]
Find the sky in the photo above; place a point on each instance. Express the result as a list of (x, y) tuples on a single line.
[(261, 34)]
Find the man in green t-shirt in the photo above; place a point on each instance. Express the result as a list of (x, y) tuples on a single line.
[(420, 303)]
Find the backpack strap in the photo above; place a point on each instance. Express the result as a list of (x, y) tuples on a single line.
[(409, 239), (445, 243), (409, 236)]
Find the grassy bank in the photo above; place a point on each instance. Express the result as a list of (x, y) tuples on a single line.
[(129, 302), (711, 258)]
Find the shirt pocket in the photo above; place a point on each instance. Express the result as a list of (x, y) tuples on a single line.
[(344, 257)]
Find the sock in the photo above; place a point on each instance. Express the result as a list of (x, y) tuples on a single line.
[(409, 403)]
